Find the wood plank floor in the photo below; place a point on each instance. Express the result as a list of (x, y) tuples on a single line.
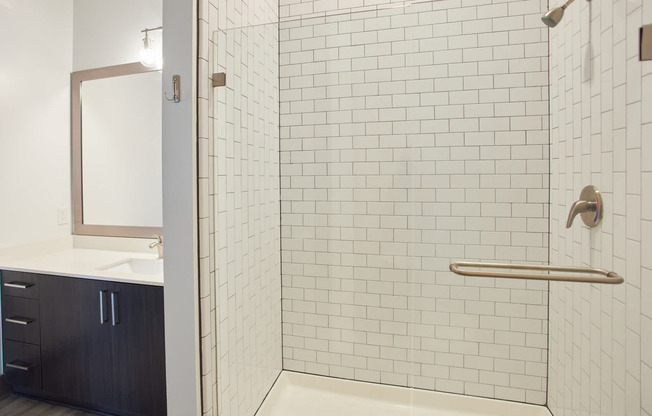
[(22, 406)]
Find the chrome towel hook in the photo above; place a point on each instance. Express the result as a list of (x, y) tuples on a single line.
[(176, 88)]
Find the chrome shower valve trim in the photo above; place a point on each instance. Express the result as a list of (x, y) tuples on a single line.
[(589, 206)]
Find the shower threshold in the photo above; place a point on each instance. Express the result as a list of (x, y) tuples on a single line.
[(297, 394)]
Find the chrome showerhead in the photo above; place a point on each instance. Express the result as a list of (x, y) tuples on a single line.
[(553, 17)]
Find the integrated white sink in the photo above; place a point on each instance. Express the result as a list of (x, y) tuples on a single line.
[(137, 266)]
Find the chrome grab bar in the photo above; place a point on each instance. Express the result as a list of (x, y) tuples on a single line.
[(605, 276)]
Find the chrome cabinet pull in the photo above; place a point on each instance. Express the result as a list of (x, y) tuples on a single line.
[(18, 366), (102, 317), (115, 313), (18, 285), (19, 321)]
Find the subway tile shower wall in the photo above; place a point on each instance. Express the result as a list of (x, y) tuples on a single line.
[(239, 217), (413, 136), (601, 106)]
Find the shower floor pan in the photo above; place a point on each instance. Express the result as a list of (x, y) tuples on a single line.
[(296, 394)]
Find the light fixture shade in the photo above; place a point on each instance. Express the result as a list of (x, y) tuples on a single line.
[(150, 56)]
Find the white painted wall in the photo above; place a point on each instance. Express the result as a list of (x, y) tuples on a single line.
[(108, 32), (36, 51), (180, 210)]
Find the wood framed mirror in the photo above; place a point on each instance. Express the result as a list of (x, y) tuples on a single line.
[(116, 151)]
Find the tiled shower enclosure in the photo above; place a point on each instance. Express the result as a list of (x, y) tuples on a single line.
[(361, 146), (413, 135)]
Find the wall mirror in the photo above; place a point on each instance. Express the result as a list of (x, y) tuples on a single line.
[(116, 151)]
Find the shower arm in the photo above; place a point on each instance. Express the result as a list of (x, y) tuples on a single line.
[(595, 275), (565, 5)]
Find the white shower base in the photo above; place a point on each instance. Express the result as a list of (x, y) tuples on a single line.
[(296, 394)]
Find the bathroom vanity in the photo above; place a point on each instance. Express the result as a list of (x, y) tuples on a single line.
[(88, 333)]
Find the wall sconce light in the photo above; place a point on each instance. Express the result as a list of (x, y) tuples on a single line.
[(150, 56)]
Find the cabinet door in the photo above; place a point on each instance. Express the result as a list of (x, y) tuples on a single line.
[(96, 342), (138, 348), (76, 341)]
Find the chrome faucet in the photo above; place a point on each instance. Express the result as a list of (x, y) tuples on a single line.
[(589, 207), (158, 244)]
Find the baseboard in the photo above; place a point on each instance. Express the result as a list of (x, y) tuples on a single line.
[(5, 390)]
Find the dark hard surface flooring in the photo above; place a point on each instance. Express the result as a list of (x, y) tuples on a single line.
[(22, 406)]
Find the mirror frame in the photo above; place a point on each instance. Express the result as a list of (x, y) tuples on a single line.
[(79, 227)]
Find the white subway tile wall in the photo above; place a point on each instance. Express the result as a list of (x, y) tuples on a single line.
[(413, 136), (239, 206), (601, 106), (314, 8)]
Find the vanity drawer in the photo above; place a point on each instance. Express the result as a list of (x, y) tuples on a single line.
[(22, 364), (21, 284), (20, 319)]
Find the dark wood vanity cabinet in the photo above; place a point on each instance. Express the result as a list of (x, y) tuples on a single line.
[(101, 345), (21, 343)]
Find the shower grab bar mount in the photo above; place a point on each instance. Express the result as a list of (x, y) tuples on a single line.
[(603, 276)]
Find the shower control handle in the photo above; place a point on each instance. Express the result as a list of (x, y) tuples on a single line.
[(589, 206)]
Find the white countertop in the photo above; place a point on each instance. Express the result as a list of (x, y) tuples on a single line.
[(64, 260)]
